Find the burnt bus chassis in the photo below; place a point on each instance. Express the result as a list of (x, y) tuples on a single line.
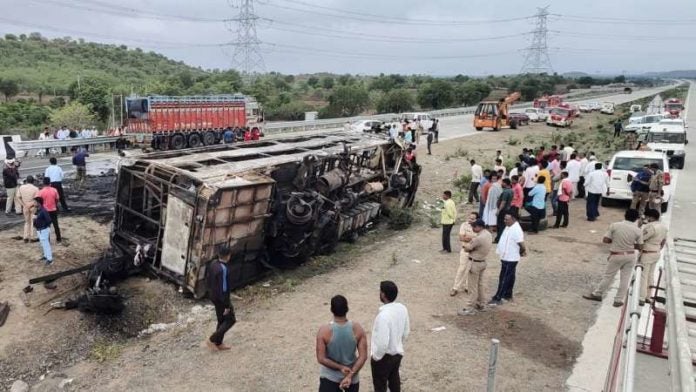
[(311, 192)]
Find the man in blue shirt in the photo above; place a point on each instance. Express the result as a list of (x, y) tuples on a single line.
[(42, 223), (219, 288), (228, 136), (80, 161), (537, 206), (55, 174)]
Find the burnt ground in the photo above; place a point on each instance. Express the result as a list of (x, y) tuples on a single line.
[(273, 342)]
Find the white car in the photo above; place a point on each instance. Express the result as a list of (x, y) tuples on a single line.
[(425, 119), (594, 106), (624, 165), (536, 114), (607, 108), (669, 137), (642, 124), (366, 126), (584, 108)]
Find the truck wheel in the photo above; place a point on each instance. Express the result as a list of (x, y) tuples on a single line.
[(496, 129), (194, 140), (479, 128), (177, 141), (513, 124), (209, 138)]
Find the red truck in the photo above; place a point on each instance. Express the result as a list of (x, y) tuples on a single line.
[(674, 106), (548, 101), (192, 121)]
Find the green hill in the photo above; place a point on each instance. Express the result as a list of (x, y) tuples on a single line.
[(46, 66)]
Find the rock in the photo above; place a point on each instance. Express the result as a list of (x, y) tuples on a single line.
[(65, 382), (19, 386)]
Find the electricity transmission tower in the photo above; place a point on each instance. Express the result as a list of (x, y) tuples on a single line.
[(247, 51), (536, 58)]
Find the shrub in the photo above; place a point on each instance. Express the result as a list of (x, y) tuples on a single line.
[(400, 218)]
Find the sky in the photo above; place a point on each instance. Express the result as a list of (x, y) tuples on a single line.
[(435, 37)]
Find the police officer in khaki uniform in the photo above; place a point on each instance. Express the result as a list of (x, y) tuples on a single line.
[(625, 238), (466, 234), (478, 249), (657, 181), (654, 238)]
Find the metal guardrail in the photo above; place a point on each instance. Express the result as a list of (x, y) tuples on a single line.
[(29, 145), (632, 330), (680, 360)]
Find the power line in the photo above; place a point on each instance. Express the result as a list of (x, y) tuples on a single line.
[(381, 19), (247, 53), (536, 60), (632, 21)]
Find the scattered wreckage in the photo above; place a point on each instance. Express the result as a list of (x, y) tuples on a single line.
[(274, 202)]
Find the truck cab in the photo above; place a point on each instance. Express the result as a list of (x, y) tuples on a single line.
[(669, 137)]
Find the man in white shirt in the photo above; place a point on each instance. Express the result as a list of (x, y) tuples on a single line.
[(583, 165), (530, 175), (510, 248), (56, 175), (389, 332), (476, 174), (566, 152), (500, 167), (590, 166), (596, 184), (573, 169)]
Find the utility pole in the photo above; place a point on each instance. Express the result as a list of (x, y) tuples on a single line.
[(247, 51), (536, 58)]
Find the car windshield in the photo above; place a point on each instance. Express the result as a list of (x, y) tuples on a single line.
[(666, 137), (559, 111), (651, 119), (634, 164), (671, 106), (530, 111)]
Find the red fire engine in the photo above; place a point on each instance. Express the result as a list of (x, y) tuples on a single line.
[(673, 106), (192, 121), (548, 101)]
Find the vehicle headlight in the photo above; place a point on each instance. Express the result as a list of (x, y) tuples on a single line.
[(679, 152)]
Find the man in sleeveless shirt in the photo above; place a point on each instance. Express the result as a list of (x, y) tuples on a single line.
[(337, 344)]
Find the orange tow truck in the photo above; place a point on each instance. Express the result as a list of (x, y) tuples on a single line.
[(495, 114)]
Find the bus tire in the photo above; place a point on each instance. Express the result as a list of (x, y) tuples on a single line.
[(209, 138), (194, 140), (177, 141)]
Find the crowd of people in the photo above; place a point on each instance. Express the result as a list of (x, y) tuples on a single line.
[(409, 134), (39, 206)]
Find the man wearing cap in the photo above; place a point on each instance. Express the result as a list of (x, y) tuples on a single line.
[(10, 178), (478, 249), (25, 197), (625, 238), (42, 223)]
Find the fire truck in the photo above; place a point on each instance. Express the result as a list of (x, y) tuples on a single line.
[(673, 107), (548, 102), (176, 122)]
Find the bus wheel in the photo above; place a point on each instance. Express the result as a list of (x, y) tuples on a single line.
[(194, 140), (209, 138), (177, 141)]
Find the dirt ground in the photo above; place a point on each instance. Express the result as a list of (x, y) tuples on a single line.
[(273, 341)]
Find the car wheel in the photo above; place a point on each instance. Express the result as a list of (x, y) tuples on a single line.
[(664, 206), (479, 128)]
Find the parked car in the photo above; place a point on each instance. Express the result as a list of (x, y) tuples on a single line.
[(595, 106), (669, 137), (635, 108), (584, 108), (560, 117), (536, 114), (624, 166), (521, 118), (374, 126), (425, 119), (607, 108), (642, 124)]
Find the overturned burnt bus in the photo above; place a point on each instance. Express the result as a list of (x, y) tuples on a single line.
[(274, 202)]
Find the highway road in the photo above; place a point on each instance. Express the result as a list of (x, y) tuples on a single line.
[(450, 128), (458, 126)]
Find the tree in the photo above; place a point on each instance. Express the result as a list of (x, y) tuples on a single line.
[(620, 79), (437, 94), (471, 92), (586, 81), (348, 101), (313, 81), (73, 115), (395, 101), (292, 111), (95, 94), (327, 83), (9, 88)]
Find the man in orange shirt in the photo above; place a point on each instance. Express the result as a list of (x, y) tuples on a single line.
[(544, 171), (517, 195), (50, 197)]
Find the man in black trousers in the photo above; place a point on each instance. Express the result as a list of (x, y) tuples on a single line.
[(219, 288)]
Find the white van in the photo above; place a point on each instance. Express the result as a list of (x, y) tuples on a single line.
[(624, 165), (669, 137), (642, 124), (536, 114), (425, 119)]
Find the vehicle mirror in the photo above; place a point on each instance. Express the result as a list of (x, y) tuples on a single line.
[(686, 141)]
